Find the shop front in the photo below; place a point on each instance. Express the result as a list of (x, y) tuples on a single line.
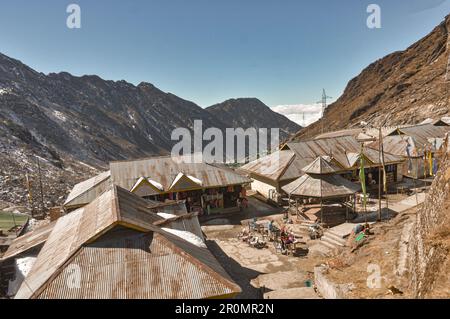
[(207, 201)]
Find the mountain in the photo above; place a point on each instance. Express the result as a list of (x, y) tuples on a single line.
[(76, 125), (404, 87), (251, 112)]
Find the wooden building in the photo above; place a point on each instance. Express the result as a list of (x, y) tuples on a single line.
[(117, 247), (206, 188), (272, 172)]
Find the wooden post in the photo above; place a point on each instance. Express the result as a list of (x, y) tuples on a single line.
[(346, 211), (379, 176), (40, 185), (321, 212)]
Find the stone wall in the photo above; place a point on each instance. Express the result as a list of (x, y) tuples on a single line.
[(326, 288), (428, 247)]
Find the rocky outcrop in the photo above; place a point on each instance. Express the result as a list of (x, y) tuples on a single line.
[(429, 244)]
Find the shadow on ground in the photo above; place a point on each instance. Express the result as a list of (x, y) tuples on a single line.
[(241, 275), (256, 209)]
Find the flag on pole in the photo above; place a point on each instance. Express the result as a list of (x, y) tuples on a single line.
[(383, 163), (409, 147)]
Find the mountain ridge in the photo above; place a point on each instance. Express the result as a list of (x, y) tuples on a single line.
[(77, 124)]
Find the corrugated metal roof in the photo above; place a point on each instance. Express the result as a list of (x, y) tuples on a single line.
[(347, 132), (436, 122), (85, 192), (421, 133), (322, 165), (338, 149), (272, 166), (125, 264), (419, 138), (82, 228), (164, 170), (341, 151), (186, 222), (29, 241), (396, 145), (321, 186)]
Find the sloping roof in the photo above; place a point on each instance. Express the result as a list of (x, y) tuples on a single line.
[(321, 186), (340, 133), (322, 165), (187, 222), (29, 241), (397, 145), (165, 170), (81, 233), (85, 192), (436, 122), (182, 221), (337, 148), (126, 264), (421, 133), (288, 163), (272, 166), (418, 137)]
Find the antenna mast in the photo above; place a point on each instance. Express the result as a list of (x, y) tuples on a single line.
[(325, 97)]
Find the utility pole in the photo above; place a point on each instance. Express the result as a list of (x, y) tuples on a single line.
[(379, 175), (30, 196), (325, 97), (40, 184)]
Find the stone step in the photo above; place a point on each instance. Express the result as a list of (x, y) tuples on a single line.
[(335, 237), (333, 249), (331, 231), (332, 241), (307, 221)]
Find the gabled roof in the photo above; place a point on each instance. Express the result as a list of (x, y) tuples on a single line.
[(321, 186), (338, 148), (146, 187), (415, 138), (83, 236), (184, 182), (322, 165), (421, 133), (159, 172), (164, 171), (127, 264), (85, 192), (272, 166), (289, 162), (436, 122)]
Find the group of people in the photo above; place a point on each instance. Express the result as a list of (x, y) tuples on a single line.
[(242, 203), (286, 237)]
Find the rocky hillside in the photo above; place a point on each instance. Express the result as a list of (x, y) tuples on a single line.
[(251, 112), (402, 88), (78, 124), (429, 245)]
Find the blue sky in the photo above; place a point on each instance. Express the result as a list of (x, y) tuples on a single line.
[(206, 51)]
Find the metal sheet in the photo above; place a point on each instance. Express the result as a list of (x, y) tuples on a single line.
[(126, 264), (165, 169), (85, 228), (321, 186)]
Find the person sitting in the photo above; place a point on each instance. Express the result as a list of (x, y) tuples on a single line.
[(270, 228)]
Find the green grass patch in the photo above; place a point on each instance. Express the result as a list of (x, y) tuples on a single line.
[(7, 220)]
